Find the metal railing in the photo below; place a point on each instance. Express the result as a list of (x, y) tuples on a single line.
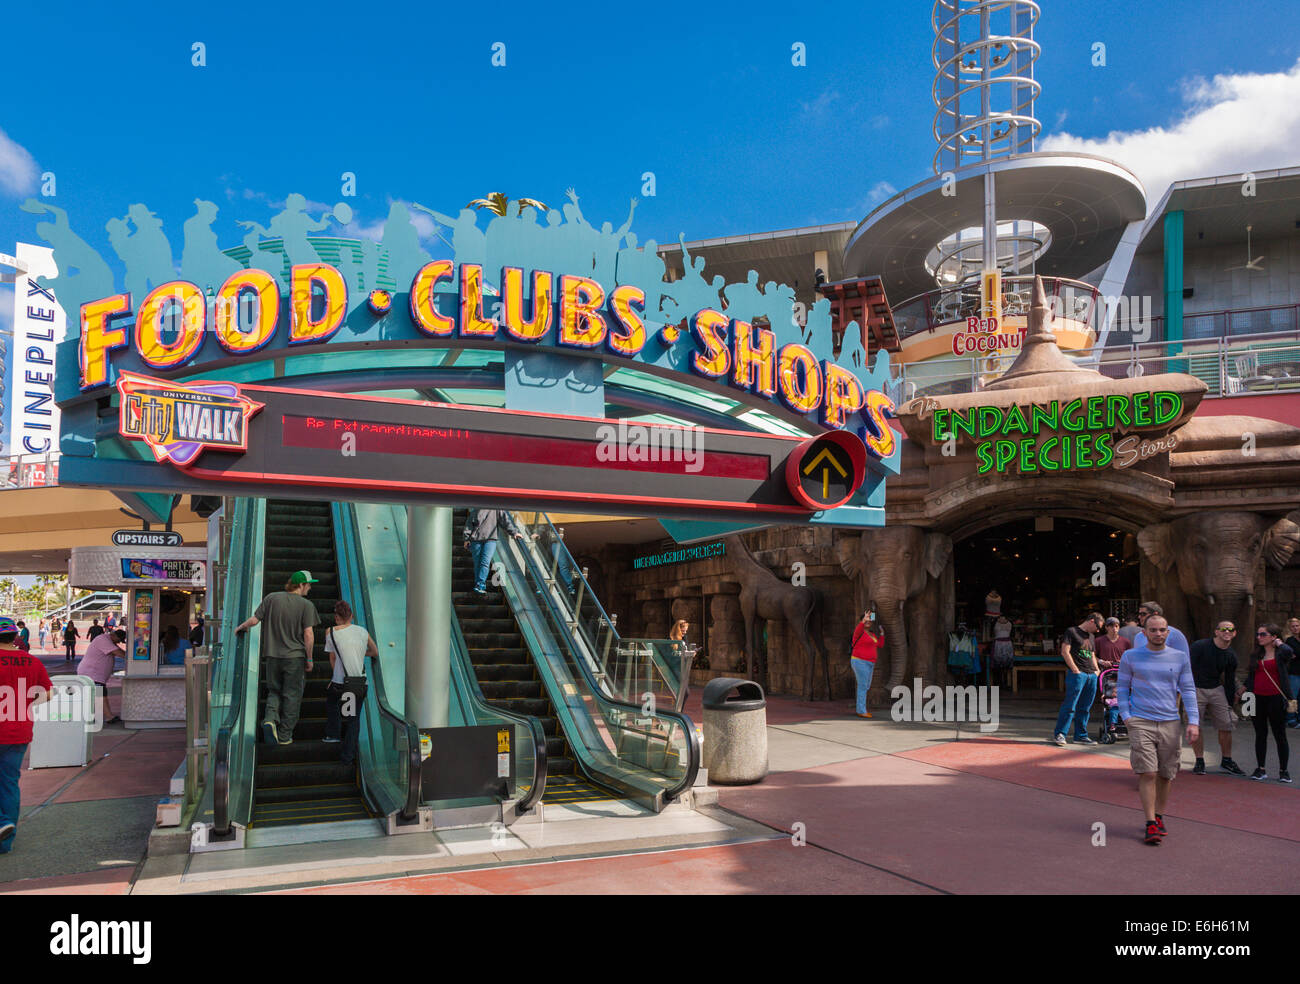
[(1071, 300), (1238, 366), (29, 471), (1201, 325)]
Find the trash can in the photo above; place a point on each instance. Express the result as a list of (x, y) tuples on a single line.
[(63, 726), (735, 731)]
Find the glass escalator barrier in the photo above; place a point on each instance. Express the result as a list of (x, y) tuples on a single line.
[(628, 669), (643, 749), (388, 745), (376, 535), (235, 677)]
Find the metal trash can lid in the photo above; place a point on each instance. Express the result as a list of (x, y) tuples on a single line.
[(749, 695)]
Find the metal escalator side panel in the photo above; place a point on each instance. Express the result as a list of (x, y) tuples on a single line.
[(236, 678), (388, 746)]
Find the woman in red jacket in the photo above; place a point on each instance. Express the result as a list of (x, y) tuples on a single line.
[(868, 637)]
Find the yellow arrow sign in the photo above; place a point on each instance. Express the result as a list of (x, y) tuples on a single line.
[(826, 472)]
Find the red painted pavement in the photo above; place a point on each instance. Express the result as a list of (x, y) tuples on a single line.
[(1227, 801), (123, 763), (765, 867), (107, 881), (968, 833)]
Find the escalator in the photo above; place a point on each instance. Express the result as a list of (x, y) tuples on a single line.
[(304, 782), (507, 674)]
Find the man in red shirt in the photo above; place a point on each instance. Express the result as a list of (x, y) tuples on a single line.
[(23, 684)]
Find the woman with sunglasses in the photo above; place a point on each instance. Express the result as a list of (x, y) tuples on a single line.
[(1269, 680)]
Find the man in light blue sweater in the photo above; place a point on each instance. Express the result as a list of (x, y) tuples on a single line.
[(1151, 678)]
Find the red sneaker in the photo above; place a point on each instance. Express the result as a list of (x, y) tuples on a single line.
[(1160, 824), (1153, 832)]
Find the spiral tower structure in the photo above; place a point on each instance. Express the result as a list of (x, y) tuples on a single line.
[(984, 89)]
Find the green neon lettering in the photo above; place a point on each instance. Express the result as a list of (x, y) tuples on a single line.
[(1049, 415), (1044, 462), (1172, 401), (986, 459), (1015, 422), (963, 423), (939, 420), (1105, 453), (1066, 444), (1071, 407), (1096, 406), (1005, 452), (1117, 409), (1027, 462), (990, 419), (1142, 410), (1083, 451)]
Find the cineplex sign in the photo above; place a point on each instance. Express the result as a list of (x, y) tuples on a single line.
[(1062, 436), (564, 314)]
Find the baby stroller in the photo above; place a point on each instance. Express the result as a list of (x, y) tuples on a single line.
[(1111, 726)]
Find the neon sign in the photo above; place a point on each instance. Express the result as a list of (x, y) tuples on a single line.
[(1082, 432), (565, 313), (178, 421)]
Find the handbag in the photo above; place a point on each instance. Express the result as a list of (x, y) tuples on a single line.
[(355, 685), (1290, 704)]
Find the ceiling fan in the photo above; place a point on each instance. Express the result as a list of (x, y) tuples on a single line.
[(1250, 264)]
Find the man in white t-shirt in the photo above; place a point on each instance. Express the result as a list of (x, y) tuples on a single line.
[(348, 647)]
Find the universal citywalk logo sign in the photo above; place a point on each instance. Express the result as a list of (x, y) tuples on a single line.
[(1057, 435), (178, 421)]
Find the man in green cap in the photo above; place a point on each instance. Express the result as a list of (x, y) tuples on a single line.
[(287, 642)]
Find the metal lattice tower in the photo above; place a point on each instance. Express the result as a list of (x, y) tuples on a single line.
[(983, 53)]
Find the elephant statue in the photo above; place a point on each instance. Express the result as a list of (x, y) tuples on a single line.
[(1210, 561), (906, 572)]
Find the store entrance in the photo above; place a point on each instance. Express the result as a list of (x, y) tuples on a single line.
[(1041, 575)]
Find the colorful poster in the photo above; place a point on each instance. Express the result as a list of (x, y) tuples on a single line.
[(139, 568), (142, 634)]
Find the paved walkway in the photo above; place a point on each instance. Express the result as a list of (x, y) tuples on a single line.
[(851, 806)]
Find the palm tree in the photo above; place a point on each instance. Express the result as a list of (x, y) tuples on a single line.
[(497, 202), (8, 593)]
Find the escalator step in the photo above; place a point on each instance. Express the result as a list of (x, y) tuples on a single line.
[(295, 794)]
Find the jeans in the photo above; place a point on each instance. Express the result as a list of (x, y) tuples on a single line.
[(11, 763), (285, 679), (341, 726), (863, 670), (482, 551), (1080, 692), (1112, 717), (70, 649), (563, 569), (1295, 692)]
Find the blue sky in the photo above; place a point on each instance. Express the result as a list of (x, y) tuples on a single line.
[(591, 96)]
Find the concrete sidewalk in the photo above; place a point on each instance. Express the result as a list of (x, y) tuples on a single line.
[(851, 805)]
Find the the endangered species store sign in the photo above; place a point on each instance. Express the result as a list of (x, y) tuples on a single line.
[(178, 421), (1082, 433)]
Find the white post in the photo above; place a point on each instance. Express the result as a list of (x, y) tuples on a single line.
[(428, 616)]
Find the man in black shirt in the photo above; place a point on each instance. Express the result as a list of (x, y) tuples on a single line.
[(1080, 681), (1214, 668)]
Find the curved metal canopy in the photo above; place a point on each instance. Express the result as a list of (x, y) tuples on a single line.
[(1086, 202)]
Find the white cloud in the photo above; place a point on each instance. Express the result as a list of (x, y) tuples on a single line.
[(880, 191), (1229, 125), (822, 103), (18, 170)]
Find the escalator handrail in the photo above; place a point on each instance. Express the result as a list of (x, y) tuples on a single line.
[(534, 726), (411, 804), (536, 574), (616, 639), (235, 603)]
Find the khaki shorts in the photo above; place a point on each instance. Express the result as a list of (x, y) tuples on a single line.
[(1213, 705), (1155, 746)]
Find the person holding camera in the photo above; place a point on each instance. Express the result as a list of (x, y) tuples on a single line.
[(868, 637)]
